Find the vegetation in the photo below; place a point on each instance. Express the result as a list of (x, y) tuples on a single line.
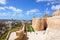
[(29, 29), (3, 36), (14, 28)]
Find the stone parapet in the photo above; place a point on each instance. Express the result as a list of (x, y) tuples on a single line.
[(57, 13), (53, 29), (53, 22)]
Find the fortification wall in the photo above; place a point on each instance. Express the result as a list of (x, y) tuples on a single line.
[(53, 29), (57, 13), (38, 24)]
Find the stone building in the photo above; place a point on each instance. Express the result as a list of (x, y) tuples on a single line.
[(4, 26), (26, 22), (40, 23)]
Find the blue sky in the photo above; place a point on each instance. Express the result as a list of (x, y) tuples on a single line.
[(27, 9)]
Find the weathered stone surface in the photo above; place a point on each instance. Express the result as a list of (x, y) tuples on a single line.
[(38, 24), (45, 20), (37, 35), (21, 34), (53, 29), (53, 22), (51, 34), (57, 13)]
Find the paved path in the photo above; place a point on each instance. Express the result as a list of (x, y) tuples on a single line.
[(31, 35), (35, 35), (13, 36)]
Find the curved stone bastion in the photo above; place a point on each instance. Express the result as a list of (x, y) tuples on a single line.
[(38, 24), (53, 29)]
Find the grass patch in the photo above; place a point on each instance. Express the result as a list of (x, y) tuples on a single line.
[(15, 28), (29, 29)]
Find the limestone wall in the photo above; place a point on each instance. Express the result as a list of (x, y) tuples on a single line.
[(38, 24), (53, 22), (53, 29), (57, 13)]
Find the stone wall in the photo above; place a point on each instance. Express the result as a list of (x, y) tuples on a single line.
[(57, 13), (38, 24), (53, 29), (53, 22), (45, 20)]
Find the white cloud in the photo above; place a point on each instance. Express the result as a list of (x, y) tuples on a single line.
[(14, 14), (46, 8), (48, 3), (4, 14), (46, 11), (32, 11), (51, 1), (2, 1), (14, 9), (56, 7), (55, 2), (45, 0), (2, 8), (20, 15)]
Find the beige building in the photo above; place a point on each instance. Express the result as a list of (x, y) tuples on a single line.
[(40, 23)]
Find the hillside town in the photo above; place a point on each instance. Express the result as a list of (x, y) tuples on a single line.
[(8, 24), (46, 28)]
